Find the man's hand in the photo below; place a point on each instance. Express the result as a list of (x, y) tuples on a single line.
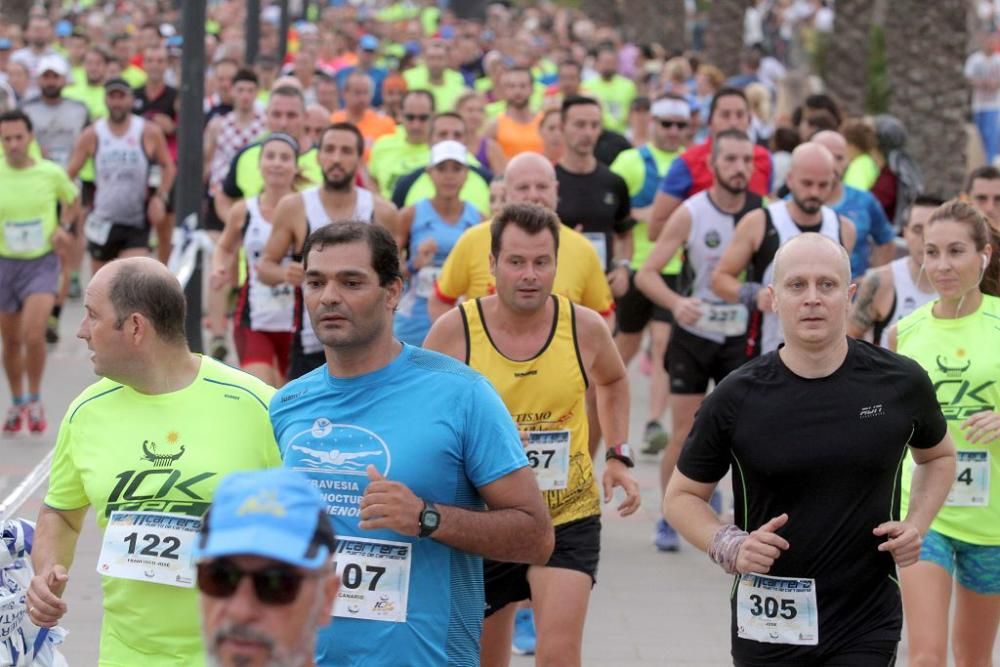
[(903, 543), (390, 505), (221, 277), (616, 474), (45, 607), (759, 551), (62, 242), (294, 273), (687, 311), (156, 210), (618, 281), (764, 300), (982, 427), (425, 253)]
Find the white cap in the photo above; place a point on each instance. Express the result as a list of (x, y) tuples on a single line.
[(448, 150), (53, 63)]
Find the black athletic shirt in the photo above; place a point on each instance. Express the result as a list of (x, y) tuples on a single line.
[(598, 202), (828, 452)]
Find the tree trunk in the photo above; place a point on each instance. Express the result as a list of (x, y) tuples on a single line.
[(846, 58), (724, 37), (925, 50), (642, 21), (16, 11)]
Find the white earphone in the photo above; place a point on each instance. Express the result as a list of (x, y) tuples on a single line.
[(986, 261)]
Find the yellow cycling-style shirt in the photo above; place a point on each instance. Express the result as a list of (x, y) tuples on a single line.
[(544, 393), (579, 274), (121, 450)]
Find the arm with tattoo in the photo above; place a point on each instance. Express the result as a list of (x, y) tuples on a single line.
[(864, 313)]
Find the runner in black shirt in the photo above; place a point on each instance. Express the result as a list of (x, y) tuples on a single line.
[(592, 199), (816, 433)]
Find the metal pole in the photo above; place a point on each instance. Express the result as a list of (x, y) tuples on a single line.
[(189, 138), (284, 26), (252, 30)]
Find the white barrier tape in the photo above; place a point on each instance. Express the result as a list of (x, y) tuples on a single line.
[(26, 488)]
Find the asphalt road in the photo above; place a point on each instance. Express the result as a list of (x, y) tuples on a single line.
[(647, 609)]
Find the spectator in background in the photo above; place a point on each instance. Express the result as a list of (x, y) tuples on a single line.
[(611, 89), (19, 80), (761, 123), (471, 106), (783, 142), (327, 95), (38, 44), (357, 94), (900, 181), (982, 71), (707, 81), (638, 121), (862, 169), (552, 137), (804, 114), (749, 64)]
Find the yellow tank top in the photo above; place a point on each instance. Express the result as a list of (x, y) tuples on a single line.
[(514, 137), (544, 393)]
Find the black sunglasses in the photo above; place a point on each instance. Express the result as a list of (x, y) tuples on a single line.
[(422, 117), (679, 124), (276, 585)]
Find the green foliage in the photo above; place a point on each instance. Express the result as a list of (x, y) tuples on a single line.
[(877, 95)]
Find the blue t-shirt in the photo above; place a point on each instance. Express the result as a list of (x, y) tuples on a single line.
[(376, 74), (868, 216), (435, 425), (412, 321)]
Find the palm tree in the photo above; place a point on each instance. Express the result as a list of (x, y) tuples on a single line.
[(642, 21), (16, 11), (724, 37), (925, 49), (846, 57)]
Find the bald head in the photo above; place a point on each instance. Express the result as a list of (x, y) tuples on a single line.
[(812, 248), (531, 178), (145, 287), (835, 143), (811, 178)]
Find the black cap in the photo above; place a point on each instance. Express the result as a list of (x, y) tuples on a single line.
[(117, 83)]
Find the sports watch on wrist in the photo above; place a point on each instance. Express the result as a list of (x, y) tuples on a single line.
[(623, 453), (430, 519)]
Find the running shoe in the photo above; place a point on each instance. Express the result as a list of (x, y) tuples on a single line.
[(524, 633), (655, 439), (52, 330), (74, 286), (14, 421), (36, 417), (666, 538), (218, 349)]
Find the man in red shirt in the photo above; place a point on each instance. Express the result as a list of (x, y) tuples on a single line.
[(690, 173)]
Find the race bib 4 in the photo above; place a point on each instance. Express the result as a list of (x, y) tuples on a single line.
[(972, 481)]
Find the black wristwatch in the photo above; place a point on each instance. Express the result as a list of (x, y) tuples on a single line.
[(430, 519), (621, 453)]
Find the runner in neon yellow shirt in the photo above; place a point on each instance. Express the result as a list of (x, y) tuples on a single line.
[(146, 447), (434, 75), (955, 340), (614, 91), (395, 155)]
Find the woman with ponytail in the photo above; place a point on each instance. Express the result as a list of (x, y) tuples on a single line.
[(956, 339)]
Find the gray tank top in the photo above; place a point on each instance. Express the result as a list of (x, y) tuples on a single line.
[(122, 170)]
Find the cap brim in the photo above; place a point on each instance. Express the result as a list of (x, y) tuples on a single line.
[(261, 541)]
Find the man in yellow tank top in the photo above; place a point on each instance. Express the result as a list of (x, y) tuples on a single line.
[(541, 352), (516, 129)]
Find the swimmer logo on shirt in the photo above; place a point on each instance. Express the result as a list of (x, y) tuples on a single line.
[(338, 449)]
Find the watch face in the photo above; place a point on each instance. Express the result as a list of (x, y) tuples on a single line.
[(431, 519)]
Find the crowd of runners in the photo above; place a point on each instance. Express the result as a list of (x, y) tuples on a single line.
[(438, 245)]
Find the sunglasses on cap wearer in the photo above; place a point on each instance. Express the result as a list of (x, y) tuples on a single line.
[(273, 585), (422, 117), (679, 124)]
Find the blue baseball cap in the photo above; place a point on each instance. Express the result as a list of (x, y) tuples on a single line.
[(274, 514), (5, 44), (64, 28), (368, 43)]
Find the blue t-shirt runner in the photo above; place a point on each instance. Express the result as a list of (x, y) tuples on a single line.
[(868, 216), (438, 427), (412, 321)]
